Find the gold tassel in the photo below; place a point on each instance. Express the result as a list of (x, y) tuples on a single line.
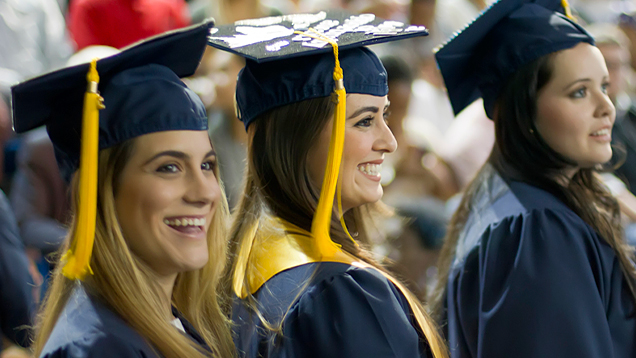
[(77, 259), (321, 223), (568, 11)]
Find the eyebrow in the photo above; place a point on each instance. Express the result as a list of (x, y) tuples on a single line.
[(176, 154), (363, 110)]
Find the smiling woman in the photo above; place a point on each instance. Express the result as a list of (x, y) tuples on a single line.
[(145, 283), (304, 286)]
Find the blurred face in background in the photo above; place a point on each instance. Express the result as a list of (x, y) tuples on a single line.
[(617, 60), (224, 72)]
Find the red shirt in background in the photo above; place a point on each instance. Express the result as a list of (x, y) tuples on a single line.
[(119, 23)]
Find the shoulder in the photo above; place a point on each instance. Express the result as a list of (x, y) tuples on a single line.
[(353, 292), (86, 328), (350, 280), (515, 213), (356, 312), (100, 345)]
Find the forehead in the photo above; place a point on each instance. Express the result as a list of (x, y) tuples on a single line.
[(187, 141), (357, 100), (580, 62)]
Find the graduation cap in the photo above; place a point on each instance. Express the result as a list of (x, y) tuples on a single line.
[(135, 92), (478, 61), (290, 58), (293, 58)]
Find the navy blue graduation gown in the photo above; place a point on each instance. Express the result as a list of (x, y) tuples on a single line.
[(532, 279), (88, 328), (342, 311)]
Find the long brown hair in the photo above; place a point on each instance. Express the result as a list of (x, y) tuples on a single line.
[(521, 154), (278, 184), (127, 285)]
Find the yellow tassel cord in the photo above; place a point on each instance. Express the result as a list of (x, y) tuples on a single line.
[(568, 11), (77, 259), (321, 223)]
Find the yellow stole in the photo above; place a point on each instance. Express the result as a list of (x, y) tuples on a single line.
[(280, 245)]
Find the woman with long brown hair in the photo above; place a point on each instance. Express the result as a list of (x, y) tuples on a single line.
[(146, 248), (304, 286), (535, 263)]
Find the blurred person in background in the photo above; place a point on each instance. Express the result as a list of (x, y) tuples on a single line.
[(615, 46), (413, 171), (415, 237), (119, 23), (19, 287), (33, 40), (226, 131)]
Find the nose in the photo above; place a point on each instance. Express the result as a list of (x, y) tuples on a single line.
[(202, 188), (386, 141), (605, 108)]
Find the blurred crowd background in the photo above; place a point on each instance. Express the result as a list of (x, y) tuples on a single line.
[(438, 153)]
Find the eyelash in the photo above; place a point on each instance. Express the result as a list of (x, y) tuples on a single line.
[(173, 168), (211, 163), (583, 91), (165, 168), (366, 122), (604, 87)]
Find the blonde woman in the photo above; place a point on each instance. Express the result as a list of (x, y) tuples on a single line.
[(304, 287), (149, 289)]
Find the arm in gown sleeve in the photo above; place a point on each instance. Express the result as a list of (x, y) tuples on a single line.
[(355, 314), (535, 288)]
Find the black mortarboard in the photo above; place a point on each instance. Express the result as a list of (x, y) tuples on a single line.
[(287, 62), (142, 93), (478, 61)]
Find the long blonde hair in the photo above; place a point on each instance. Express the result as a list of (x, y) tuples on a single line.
[(277, 183), (127, 285)]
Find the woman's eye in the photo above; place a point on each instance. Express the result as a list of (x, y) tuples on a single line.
[(365, 122), (580, 93), (386, 115), (168, 168), (604, 87), (209, 165)]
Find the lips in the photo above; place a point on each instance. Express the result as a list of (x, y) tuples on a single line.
[(601, 132), (186, 224)]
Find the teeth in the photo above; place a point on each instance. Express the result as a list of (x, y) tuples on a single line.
[(185, 222), (370, 169), (605, 131)]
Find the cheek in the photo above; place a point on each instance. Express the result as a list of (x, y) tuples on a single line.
[(558, 123), (142, 203)]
